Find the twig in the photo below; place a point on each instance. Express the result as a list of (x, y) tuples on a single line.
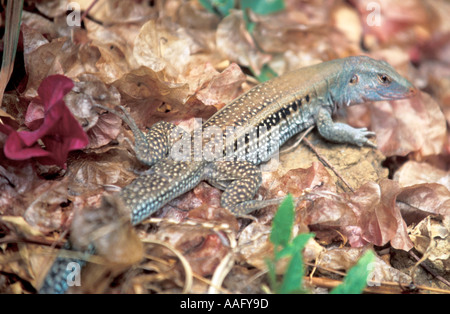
[(327, 163), (298, 141), (85, 13), (187, 267), (428, 269), (321, 158)]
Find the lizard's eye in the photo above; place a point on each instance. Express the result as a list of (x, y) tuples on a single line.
[(384, 79), (354, 79)]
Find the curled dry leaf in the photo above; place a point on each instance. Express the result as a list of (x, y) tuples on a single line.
[(159, 49), (418, 201), (88, 92), (370, 215), (382, 222), (113, 52), (396, 21), (236, 44), (109, 229), (20, 226), (223, 87), (344, 258), (92, 171), (151, 98), (203, 247), (49, 209), (116, 11), (105, 130), (413, 172), (431, 237), (392, 122), (300, 45)]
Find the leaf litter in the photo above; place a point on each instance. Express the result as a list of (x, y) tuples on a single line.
[(175, 61)]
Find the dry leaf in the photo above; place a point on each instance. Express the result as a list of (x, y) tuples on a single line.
[(392, 122), (413, 172)]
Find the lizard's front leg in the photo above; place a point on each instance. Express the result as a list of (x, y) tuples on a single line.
[(341, 132), (151, 146)]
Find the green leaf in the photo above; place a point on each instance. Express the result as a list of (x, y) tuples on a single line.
[(293, 277), (283, 222), (219, 7), (356, 279), (266, 73), (272, 274), (263, 7), (297, 245)]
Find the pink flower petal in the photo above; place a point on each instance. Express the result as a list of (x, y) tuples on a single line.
[(58, 130)]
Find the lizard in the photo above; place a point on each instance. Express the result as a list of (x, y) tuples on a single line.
[(278, 109)]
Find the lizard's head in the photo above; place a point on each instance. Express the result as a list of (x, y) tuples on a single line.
[(367, 79)]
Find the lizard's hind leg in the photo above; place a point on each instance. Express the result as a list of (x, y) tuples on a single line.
[(240, 180)]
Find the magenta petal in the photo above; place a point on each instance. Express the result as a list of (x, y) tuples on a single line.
[(6, 129), (16, 149), (53, 88), (59, 130)]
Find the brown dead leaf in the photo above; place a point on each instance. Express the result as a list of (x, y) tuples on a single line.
[(88, 92), (431, 238), (114, 11), (344, 258), (109, 229), (189, 16), (17, 181), (144, 83), (413, 172), (236, 44), (202, 247), (34, 26), (92, 171), (398, 21), (42, 62), (157, 48), (48, 210), (223, 87), (418, 201), (51, 8), (278, 184), (20, 226), (113, 51), (370, 215), (392, 122), (152, 99), (383, 222), (301, 46)]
